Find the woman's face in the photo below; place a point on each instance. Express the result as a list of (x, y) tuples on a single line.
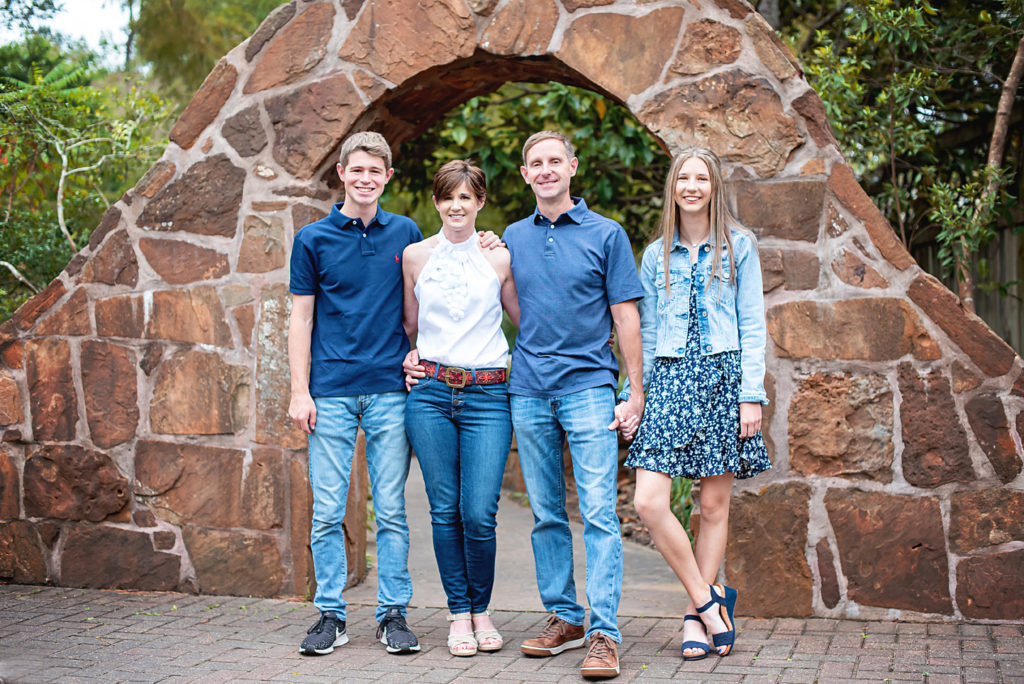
[(458, 209), (693, 186)]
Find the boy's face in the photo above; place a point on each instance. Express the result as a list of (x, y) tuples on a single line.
[(364, 177), (548, 169)]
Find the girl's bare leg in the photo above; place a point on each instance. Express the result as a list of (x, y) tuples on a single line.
[(652, 501), (715, 493)]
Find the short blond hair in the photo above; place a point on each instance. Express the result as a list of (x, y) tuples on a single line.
[(570, 151), (366, 141)]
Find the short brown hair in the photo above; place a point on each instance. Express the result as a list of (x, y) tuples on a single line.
[(570, 151), (369, 142), (455, 173)]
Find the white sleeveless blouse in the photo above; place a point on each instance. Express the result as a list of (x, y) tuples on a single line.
[(460, 307)]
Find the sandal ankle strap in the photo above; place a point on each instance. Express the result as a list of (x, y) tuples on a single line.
[(452, 617)]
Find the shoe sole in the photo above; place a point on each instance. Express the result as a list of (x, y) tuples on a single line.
[(564, 646), (398, 651), (599, 672), (341, 640)]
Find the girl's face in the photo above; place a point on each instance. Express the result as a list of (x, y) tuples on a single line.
[(458, 209), (693, 187)]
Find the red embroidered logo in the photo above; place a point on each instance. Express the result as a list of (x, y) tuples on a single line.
[(396, 258)]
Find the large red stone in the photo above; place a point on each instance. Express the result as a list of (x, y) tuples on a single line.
[(263, 490), (797, 269), (273, 388), (842, 425), (310, 121), (268, 29), (294, 51), (985, 517), (115, 558), (21, 554), (234, 563), (827, 571), (990, 587), (29, 312), (852, 270), (934, 443), (10, 487), (398, 40), (244, 131), (72, 318), (622, 54), (110, 389), (848, 191), (875, 329), (122, 316), (199, 393), (770, 49), (50, 380), (179, 262), (788, 209), (706, 44), (156, 178), (205, 104), (204, 200), (810, 106), (738, 115), (190, 483), (73, 483), (193, 315), (986, 349), (892, 549), (988, 420), (10, 400), (521, 27), (767, 535), (263, 247), (115, 263)]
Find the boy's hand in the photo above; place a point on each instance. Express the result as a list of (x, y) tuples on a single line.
[(488, 240)]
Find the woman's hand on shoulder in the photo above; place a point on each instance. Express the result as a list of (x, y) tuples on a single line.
[(490, 240)]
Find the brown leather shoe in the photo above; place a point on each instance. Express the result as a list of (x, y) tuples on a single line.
[(602, 661), (558, 636)]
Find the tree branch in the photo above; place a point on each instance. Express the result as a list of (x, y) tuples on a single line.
[(17, 274)]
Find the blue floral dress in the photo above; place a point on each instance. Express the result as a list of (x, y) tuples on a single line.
[(691, 422)]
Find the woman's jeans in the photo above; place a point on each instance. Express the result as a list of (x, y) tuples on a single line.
[(461, 438)]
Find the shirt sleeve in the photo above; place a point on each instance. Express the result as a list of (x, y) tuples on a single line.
[(303, 271), (621, 280)]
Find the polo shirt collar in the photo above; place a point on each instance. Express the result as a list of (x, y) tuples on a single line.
[(576, 214), (382, 217)]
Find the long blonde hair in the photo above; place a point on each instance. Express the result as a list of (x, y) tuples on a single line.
[(721, 219)]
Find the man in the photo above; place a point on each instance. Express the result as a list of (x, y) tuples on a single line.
[(576, 275), (346, 328)]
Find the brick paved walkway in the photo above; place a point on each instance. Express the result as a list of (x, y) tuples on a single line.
[(78, 635)]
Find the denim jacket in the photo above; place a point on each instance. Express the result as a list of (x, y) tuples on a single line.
[(730, 313)]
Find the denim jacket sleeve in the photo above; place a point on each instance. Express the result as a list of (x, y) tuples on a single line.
[(648, 307), (750, 319)]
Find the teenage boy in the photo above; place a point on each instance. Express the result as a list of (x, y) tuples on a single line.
[(575, 273), (346, 328)]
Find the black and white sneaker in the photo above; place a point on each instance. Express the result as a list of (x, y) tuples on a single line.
[(395, 634), (327, 633)]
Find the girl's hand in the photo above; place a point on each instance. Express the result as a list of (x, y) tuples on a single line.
[(413, 369), (750, 419)]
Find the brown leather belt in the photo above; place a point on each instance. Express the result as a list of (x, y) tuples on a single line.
[(463, 377)]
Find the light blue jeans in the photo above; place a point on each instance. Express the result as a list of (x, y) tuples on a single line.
[(540, 427), (331, 448), (461, 438)]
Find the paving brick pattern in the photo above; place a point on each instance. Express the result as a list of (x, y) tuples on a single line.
[(50, 634)]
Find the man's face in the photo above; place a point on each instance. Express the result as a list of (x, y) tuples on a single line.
[(548, 170), (364, 177)]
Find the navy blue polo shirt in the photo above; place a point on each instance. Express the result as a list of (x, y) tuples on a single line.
[(568, 273), (355, 272)]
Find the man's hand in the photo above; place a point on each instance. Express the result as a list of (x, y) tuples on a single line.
[(489, 240), (627, 417), (302, 411), (750, 418), (413, 369)]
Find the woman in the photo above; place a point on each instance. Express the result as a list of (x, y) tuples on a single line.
[(457, 417), (704, 333)]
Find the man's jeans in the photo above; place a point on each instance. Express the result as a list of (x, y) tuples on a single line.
[(331, 448), (461, 438), (540, 425)]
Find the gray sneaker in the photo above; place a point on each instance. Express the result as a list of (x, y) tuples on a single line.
[(327, 633), (395, 634)]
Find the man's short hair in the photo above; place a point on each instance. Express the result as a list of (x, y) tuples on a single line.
[(367, 141), (570, 151)]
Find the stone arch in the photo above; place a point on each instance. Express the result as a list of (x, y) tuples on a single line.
[(143, 393)]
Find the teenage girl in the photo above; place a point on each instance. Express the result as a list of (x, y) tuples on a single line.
[(703, 329)]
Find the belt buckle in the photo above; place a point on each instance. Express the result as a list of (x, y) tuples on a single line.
[(461, 382)]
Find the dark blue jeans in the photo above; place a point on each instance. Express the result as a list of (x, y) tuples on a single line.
[(461, 438)]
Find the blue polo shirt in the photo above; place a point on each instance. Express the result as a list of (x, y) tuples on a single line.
[(355, 272), (568, 273)]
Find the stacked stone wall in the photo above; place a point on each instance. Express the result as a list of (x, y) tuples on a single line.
[(143, 393)]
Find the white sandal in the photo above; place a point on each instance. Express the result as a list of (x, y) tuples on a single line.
[(458, 643), (488, 640)]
